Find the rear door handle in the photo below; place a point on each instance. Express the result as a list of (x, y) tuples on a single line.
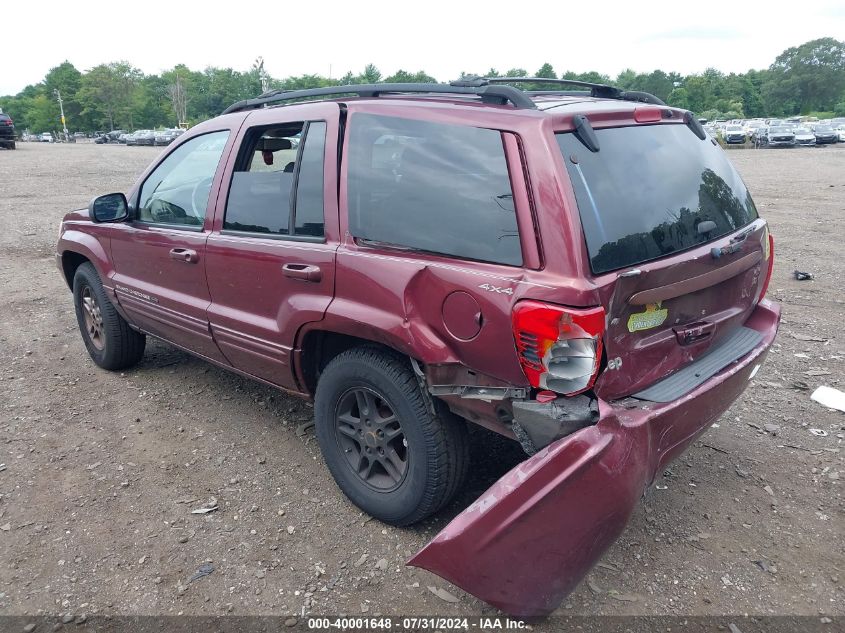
[(184, 255), (305, 272)]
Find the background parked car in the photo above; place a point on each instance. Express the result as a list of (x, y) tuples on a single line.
[(46, 137), (751, 127), (825, 135), (734, 134), (804, 136), (7, 131), (145, 137), (759, 136), (778, 136), (166, 137), (132, 139)]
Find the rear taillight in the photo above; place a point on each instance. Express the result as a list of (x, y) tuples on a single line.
[(769, 258), (559, 348)]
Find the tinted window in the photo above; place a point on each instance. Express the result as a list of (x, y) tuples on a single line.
[(273, 163), (177, 191), (644, 193), (433, 187), (309, 185)]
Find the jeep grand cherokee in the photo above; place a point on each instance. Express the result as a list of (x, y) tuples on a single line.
[(583, 272)]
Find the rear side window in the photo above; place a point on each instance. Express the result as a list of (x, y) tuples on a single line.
[(277, 185), (431, 187), (649, 191)]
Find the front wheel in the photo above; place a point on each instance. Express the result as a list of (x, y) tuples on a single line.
[(110, 342), (396, 454)]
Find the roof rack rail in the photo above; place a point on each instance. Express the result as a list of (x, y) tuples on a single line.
[(601, 91), (490, 89), (469, 86)]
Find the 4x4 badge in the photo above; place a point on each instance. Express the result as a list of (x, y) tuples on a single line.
[(497, 289)]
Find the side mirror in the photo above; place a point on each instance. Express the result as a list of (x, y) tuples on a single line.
[(111, 207)]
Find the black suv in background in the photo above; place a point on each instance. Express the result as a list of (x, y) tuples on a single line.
[(7, 131)]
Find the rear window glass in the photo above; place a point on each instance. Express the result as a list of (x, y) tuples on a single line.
[(432, 187), (648, 190)]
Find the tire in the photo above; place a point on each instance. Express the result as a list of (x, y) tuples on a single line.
[(434, 442), (111, 343)]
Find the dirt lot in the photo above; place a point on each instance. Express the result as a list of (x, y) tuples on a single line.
[(102, 470)]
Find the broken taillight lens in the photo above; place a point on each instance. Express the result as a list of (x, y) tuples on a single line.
[(559, 348)]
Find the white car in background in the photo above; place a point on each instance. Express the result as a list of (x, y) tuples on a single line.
[(804, 136), (46, 137), (841, 131), (751, 127), (734, 134)]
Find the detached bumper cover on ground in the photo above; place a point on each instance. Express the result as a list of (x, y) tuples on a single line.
[(530, 539)]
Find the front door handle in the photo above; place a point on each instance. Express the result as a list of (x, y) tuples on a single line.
[(184, 255), (306, 272)]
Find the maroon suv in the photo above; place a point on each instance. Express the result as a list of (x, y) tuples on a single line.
[(582, 272)]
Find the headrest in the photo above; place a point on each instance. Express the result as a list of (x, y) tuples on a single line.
[(273, 144)]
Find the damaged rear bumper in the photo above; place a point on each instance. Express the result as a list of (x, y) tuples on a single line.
[(530, 538)]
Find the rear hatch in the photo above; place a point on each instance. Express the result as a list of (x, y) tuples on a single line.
[(674, 242)]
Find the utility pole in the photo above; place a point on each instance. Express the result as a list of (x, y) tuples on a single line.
[(62, 109)]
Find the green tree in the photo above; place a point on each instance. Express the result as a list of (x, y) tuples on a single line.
[(592, 77), (43, 114), (419, 77), (679, 98), (66, 79), (106, 93), (371, 74), (813, 75)]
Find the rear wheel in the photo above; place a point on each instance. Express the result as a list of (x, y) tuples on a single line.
[(110, 342), (396, 454)]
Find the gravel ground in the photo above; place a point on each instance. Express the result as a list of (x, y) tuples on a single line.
[(103, 469)]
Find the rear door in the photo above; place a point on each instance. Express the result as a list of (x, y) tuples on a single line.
[(271, 255), (159, 256), (437, 237), (673, 239)]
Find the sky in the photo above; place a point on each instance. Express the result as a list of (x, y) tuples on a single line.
[(440, 37)]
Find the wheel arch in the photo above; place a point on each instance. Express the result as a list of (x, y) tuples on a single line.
[(317, 347), (75, 248), (71, 261)]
